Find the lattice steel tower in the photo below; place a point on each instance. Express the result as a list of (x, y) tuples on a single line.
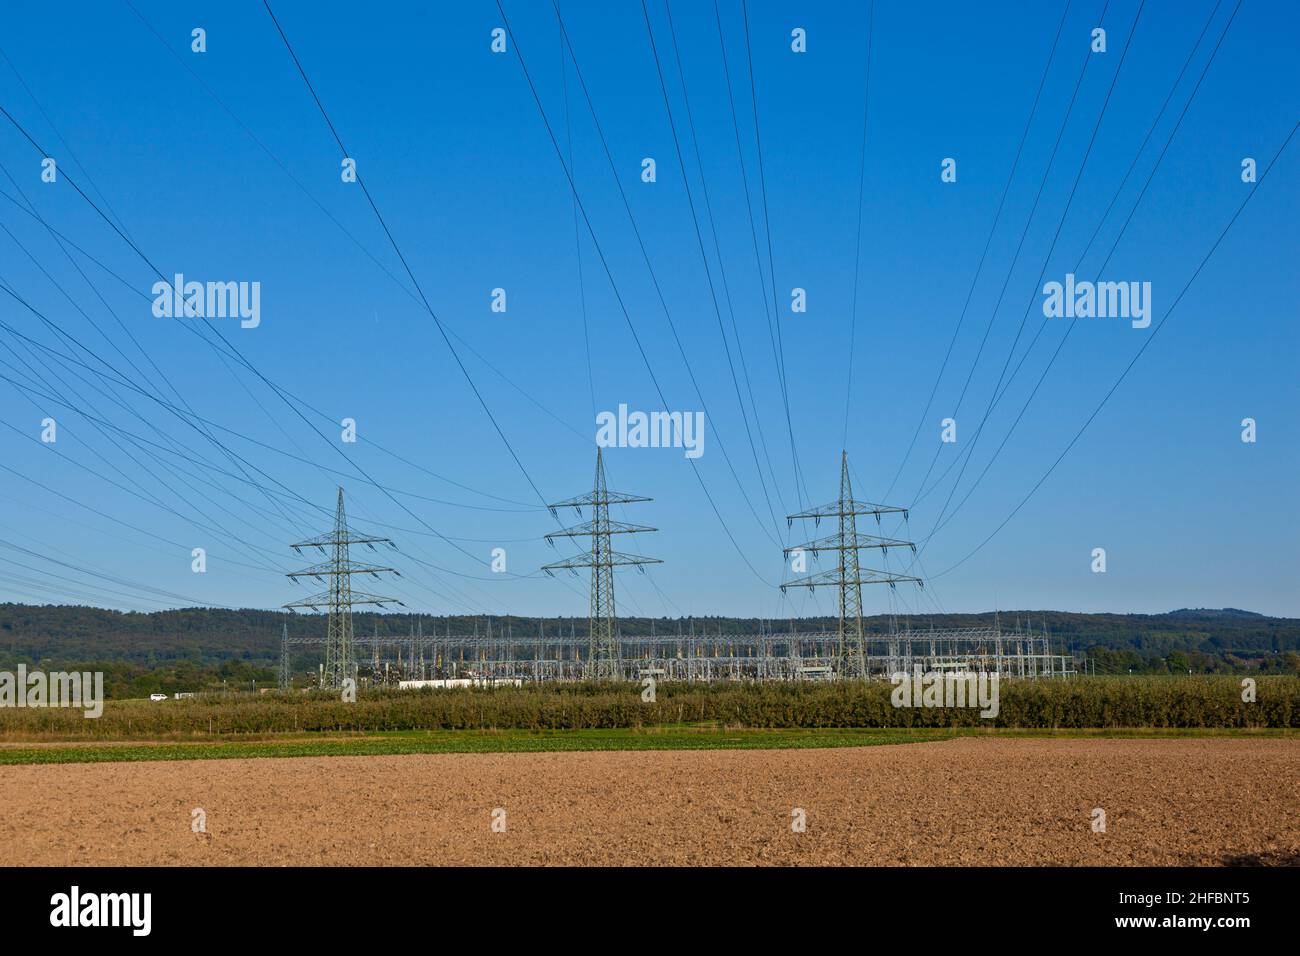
[(286, 674), (340, 661), (848, 574), (604, 657)]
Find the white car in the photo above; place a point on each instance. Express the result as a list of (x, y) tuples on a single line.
[(157, 696)]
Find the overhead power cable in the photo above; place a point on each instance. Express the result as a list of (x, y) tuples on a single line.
[(405, 289), (699, 235), (469, 379), (857, 242), (979, 269), (1128, 368), (801, 489), (232, 351), (1065, 213), (1088, 57), (645, 255), (610, 276), (1101, 269)]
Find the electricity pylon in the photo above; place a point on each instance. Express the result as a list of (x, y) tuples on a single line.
[(847, 576), (286, 676), (340, 662), (604, 657)]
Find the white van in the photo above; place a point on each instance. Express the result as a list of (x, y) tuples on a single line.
[(157, 696)]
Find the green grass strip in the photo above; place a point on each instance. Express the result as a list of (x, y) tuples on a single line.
[(471, 741), (520, 741)]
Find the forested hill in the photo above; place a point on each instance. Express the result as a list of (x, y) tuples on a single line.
[(1202, 639)]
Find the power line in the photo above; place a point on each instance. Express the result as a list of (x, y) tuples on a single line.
[(801, 488), (116, 536), (577, 230), (1101, 269), (405, 289), (768, 315), (1124, 374), (645, 256), (232, 350), (609, 273), (90, 572), (699, 236), (206, 465), (857, 244), (213, 528), (1078, 176), (396, 248), (410, 274), (1024, 234), (726, 286), (979, 269), (95, 325), (98, 423), (4, 287)]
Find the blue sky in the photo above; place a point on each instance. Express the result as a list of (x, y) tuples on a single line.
[(451, 145)]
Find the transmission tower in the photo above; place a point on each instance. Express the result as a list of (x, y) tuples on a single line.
[(286, 676), (848, 575), (340, 661), (604, 658)]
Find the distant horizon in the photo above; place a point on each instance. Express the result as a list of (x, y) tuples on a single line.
[(642, 617)]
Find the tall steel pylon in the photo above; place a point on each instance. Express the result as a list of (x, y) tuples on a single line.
[(848, 573), (604, 658), (286, 675), (340, 660)]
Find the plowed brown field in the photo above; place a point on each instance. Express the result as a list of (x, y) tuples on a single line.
[(965, 801)]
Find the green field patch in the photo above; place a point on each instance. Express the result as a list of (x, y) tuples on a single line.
[(674, 737), (466, 741)]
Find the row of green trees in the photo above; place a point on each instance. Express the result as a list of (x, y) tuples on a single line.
[(1105, 660), (128, 679), (1139, 702)]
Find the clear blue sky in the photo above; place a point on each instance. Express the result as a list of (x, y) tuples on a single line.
[(451, 145)]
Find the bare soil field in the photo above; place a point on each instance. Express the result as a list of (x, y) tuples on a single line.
[(961, 802)]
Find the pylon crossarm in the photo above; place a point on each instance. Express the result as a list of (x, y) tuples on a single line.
[(856, 542), (831, 578), (850, 506), (325, 599), (617, 558), (588, 528), (591, 500), (334, 538), (352, 567), (360, 597), (578, 561), (886, 577), (612, 559)]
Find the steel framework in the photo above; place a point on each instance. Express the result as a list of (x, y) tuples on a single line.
[(784, 654), (286, 672), (847, 576), (604, 659), (339, 598)]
